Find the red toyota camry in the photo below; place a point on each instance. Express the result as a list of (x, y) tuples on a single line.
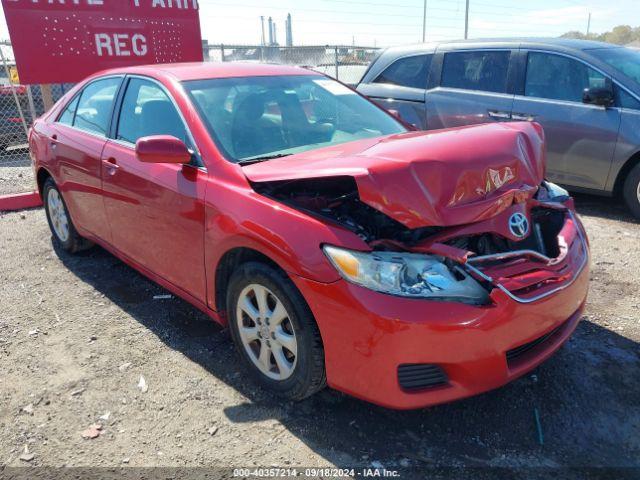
[(404, 268)]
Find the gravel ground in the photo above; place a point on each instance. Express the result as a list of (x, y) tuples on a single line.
[(77, 333), (16, 174)]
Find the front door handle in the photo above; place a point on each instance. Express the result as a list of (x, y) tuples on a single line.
[(523, 117), (54, 141), (111, 165), (499, 115)]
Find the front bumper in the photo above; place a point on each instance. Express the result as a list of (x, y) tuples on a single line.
[(368, 335)]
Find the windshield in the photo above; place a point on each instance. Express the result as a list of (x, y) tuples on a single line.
[(256, 117), (625, 60)]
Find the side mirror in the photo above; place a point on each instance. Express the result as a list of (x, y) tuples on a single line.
[(396, 114), (601, 96), (162, 149)]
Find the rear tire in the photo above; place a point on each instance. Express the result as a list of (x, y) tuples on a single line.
[(280, 342), (64, 232)]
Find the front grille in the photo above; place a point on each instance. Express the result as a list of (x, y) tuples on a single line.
[(528, 275), (417, 376), (515, 354)]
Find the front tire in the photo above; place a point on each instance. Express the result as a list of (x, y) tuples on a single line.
[(631, 191), (274, 331), (62, 228)]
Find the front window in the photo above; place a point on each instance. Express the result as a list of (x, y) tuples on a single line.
[(255, 117), (557, 77), (625, 60), (147, 110)]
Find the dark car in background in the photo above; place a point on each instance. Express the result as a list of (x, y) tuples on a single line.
[(12, 131), (585, 94)]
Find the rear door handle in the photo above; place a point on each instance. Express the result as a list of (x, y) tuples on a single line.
[(499, 115), (524, 117), (111, 165)]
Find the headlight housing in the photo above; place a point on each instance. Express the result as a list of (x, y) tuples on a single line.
[(553, 193), (406, 275)]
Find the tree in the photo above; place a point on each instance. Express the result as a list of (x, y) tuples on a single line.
[(620, 35)]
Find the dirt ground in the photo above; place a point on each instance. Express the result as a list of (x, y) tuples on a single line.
[(77, 333), (16, 173)]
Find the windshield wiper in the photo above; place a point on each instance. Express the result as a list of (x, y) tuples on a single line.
[(249, 161)]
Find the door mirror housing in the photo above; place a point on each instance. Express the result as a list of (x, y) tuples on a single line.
[(601, 96), (162, 149), (396, 114)]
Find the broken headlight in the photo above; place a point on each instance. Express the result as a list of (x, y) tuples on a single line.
[(552, 192), (406, 274)]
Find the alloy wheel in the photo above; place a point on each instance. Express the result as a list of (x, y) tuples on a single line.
[(58, 215), (266, 332)]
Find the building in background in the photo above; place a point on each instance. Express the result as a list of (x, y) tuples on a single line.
[(289, 31), (271, 28)]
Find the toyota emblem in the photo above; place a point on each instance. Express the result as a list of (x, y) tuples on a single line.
[(518, 225)]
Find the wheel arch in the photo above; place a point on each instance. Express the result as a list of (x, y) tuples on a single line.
[(228, 263), (41, 176), (618, 185)]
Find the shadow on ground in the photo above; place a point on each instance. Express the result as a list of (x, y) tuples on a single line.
[(586, 395), (612, 208)]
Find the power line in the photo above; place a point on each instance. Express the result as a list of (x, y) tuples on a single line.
[(319, 10)]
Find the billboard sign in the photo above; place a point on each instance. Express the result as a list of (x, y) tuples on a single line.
[(58, 41)]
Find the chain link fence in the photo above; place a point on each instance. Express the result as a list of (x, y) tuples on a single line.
[(344, 63), (21, 104)]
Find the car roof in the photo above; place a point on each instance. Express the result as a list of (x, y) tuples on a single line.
[(205, 70), (524, 42)]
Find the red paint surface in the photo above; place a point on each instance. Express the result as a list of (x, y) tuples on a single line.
[(442, 178), (63, 34), (19, 201), (175, 223)]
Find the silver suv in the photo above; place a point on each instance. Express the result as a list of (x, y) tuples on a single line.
[(585, 94)]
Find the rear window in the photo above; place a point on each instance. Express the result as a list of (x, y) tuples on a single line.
[(479, 70), (407, 72), (94, 107)]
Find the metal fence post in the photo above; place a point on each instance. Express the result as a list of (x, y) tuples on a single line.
[(336, 60), (222, 53), (47, 96), (205, 50), (32, 105)]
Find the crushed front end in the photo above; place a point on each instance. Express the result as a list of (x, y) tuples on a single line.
[(452, 299)]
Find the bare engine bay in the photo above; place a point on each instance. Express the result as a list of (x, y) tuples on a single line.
[(336, 199)]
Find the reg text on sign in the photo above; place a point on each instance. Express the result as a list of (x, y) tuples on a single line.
[(59, 41)]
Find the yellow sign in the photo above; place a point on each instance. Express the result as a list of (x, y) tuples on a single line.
[(13, 75)]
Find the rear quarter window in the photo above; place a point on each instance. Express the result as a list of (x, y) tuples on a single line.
[(407, 72), (66, 117)]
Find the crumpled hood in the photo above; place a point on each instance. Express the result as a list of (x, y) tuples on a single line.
[(437, 178)]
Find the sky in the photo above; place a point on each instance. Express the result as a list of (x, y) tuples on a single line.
[(389, 22)]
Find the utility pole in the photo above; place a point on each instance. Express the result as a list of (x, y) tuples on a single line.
[(424, 22), (466, 21), (589, 24)]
